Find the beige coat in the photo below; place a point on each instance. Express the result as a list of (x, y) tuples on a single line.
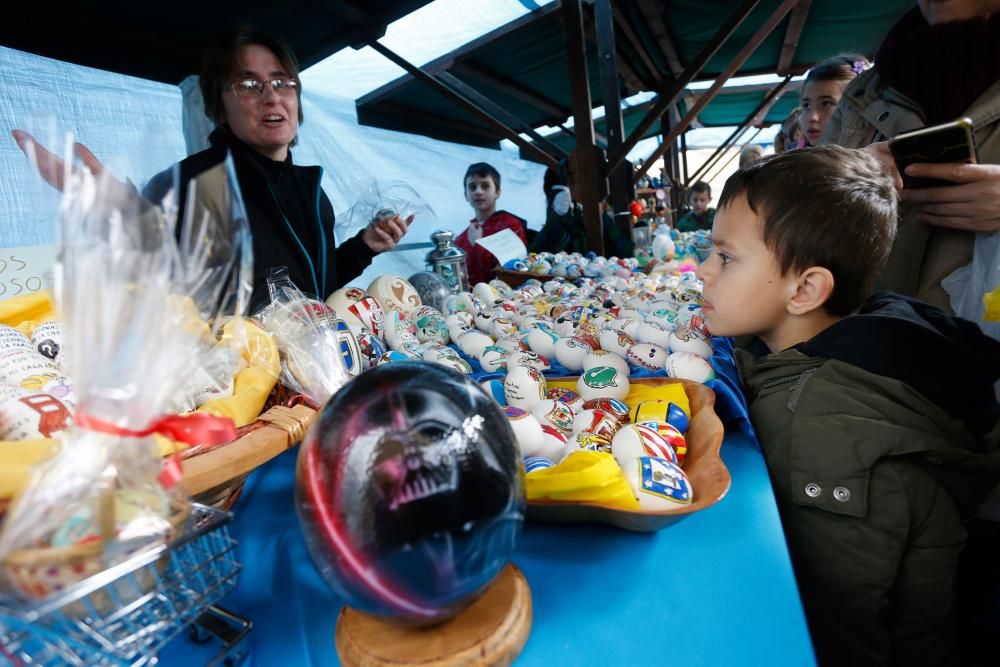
[(869, 111)]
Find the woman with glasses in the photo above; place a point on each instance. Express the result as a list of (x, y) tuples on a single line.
[(251, 90)]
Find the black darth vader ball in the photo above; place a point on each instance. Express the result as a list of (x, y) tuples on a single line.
[(409, 492)]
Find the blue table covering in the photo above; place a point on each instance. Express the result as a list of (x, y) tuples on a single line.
[(714, 589)]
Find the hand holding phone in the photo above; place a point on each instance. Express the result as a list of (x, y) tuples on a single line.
[(948, 143)]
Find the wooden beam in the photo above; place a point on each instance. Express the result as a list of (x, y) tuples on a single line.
[(586, 174), (737, 62), (760, 110), (492, 108), (515, 89), (652, 12), (676, 87), (444, 122), (466, 104), (796, 22), (620, 186), (626, 29), (633, 82)]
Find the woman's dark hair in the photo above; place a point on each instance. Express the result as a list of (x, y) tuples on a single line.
[(222, 62)]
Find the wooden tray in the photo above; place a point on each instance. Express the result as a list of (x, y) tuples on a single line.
[(210, 475), (709, 476)]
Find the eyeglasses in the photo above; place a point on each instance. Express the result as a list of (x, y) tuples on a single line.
[(255, 88)]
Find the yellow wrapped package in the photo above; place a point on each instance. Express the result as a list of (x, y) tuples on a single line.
[(992, 302), (583, 476), (251, 386)]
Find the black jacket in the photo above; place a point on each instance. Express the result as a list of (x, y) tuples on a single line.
[(290, 217)]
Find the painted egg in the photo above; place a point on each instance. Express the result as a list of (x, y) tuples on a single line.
[(658, 484), (349, 349), (650, 411), (653, 332), (524, 386), (689, 366), (611, 406), (542, 340), (599, 358), (528, 359), (367, 313), (473, 342), (504, 328), (344, 297), (603, 381), (456, 363), (589, 442), (567, 396), (394, 293), (630, 325), (511, 344), (494, 387), (571, 353), (437, 351), (553, 412), (493, 358), (527, 430), (485, 293), (485, 319), (394, 355), (677, 418), (432, 328), (636, 440), (555, 443), (597, 422), (648, 356), (673, 437), (533, 463), (459, 303), (371, 347), (617, 341), (502, 288), (691, 340), (463, 319)]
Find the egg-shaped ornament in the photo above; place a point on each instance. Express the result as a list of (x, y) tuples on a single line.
[(524, 387), (493, 358), (696, 340), (364, 313), (371, 348), (28, 415), (554, 413), (494, 388), (344, 297), (392, 356), (567, 396), (603, 381), (597, 422), (590, 442), (473, 342), (635, 440), (486, 293), (528, 359), (630, 325), (432, 327), (533, 463), (502, 288), (394, 293), (455, 363), (571, 352), (431, 288), (647, 355), (460, 303), (654, 332), (410, 492), (612, 406), (689, 366), (542, 340), (527, 430), (555, 443), (599, 358), (658, 484), (672, 437), (511, 344), (349, 349), (617, 341)]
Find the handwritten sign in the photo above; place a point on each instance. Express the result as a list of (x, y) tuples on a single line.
[(25, 270), (505, 245)]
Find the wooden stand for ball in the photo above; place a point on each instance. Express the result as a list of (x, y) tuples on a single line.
[(492, 631)]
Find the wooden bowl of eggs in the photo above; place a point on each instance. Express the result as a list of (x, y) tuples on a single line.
[(625, 476)]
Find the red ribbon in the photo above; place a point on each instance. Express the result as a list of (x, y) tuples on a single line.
[(197, 428)]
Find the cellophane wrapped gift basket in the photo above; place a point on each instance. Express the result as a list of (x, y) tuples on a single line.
[(103, 558)]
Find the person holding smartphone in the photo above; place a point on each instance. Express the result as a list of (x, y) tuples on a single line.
[(941, 61)]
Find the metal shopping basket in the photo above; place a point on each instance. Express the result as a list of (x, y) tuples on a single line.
[(127, 613)]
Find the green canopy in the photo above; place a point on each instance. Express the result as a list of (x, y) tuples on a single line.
[(522, 67)]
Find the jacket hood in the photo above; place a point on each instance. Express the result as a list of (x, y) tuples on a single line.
[(948, 360)]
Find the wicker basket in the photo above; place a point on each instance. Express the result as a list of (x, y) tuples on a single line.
[(40, 572)]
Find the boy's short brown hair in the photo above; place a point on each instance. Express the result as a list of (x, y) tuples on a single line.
[(482, 170), (700, 186), (827, 206)]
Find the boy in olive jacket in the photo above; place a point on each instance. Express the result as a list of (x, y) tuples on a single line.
[(876, 415)]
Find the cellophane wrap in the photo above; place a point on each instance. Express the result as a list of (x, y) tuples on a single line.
[(143, 297), (309, 339), (377, 199)]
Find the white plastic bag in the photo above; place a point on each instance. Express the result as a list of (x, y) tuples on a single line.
[(967, 285)]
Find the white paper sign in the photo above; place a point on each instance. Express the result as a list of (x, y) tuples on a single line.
[(25, 270), (505, 245)]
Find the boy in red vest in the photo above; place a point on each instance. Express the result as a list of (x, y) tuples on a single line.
[(482, 189)]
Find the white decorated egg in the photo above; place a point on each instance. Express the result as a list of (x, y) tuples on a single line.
[(394, 293), (527, 430), (603, 381), (599, 358), (571, 353), (617, 341), (555, 413), (648, 356), (524, 386), (658, 484), (473, 342), (689, 366), (635, 440)]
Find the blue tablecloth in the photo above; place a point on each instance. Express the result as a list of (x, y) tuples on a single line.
[(715, 589)]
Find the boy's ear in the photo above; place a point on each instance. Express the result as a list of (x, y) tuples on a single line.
[(812, 289)]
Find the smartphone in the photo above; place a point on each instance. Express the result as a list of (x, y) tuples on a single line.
[(948, 142)]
